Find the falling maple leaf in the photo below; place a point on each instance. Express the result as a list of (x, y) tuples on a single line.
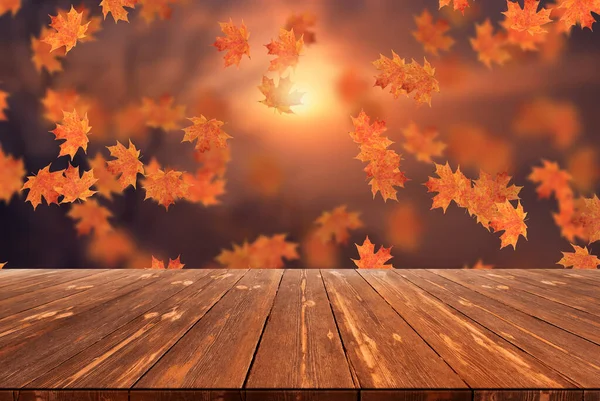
[(204, 188), (130, 122), (432, 35), (235, 42), (369, 259), (165, 187), (111, 249), (9, 5), (67, 30), (127, 164), (551, 179), (94, 23), (42, 185), (90, 216), (207, 133), (582, 165), (287, 49), (422, 143), (301, 25), (56, 102), (174, 264), (404, 227), (280, 97), (511, 220), (11, 179), (588, 216), (74, 130), (3, 105), (579, 12), (334, 225), (490, 47), (117, 8), (317, 254), (458, 4), (264, 253), (42, 57), (450, 186), (487, 193), (214, 161), (528, 18), (107, 183), (406, 78), (238, 258), (151, 9), (163, 114), (580, 259), (74, 187)]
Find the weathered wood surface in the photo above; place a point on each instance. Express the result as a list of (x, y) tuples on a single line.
[(342, 335)]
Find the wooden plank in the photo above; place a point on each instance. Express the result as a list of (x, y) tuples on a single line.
[(572, 320), (218, 350), (31, 357), (554, 282), (576, 358), (563, 295), (591, 395), (121, 358), (42, 281), (6, 395), (479, 356), (49, 316), (10, 277), (300, 347), (528, 395), (421, 395), (20, 303), (94, 395), (587, 277), (301, 395), (383, 350), (186, 395)]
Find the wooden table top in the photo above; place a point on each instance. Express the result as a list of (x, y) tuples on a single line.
[(189, 334)]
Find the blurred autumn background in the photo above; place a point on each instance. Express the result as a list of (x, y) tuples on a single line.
[(282, 171)]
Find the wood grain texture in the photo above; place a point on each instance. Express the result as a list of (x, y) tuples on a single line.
[(28, 358), (564, 284), (218, 350), (122, 357), (422, 395), (479, 356), (6, 395), (301, 347), (576, 277), (43, 281), (71, 395), (11, 277), (301, 395), (383, 350), (186, 395), (591, 395), (565, 317), (574, 357), (532, 395)]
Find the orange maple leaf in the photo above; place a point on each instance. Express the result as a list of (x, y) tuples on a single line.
[(450, 186), (235, 42), (369, 259), (264, 253), (479, 265), (582, 165), (74, 130), (9, 5), (511, 220), (580, 259), (127, 164), (214, 161), (588, 216), (68, 30), (150, 9), (90, 216), (579, 12), (551, 180), (406, 78), (334, 225), (112, 248), (369, 136), (56, 102), (432, 35), (3, 105), (301, 25), (570, 226), (487, 193), (238, 258), (165, 187), (423, 143), (116, 8), (206, 133), (130, 122), (458, 4), (163, 114), (385, 174), (11, 178), (317, 254), (74, 187), (404, 227), (174, 264), (287, 49), (43, 185), (280, 97), (42, 57), (107, 183), (204, 188), (3, 264), (490, 47), (351, 86), (528, 18), (94, 24)]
